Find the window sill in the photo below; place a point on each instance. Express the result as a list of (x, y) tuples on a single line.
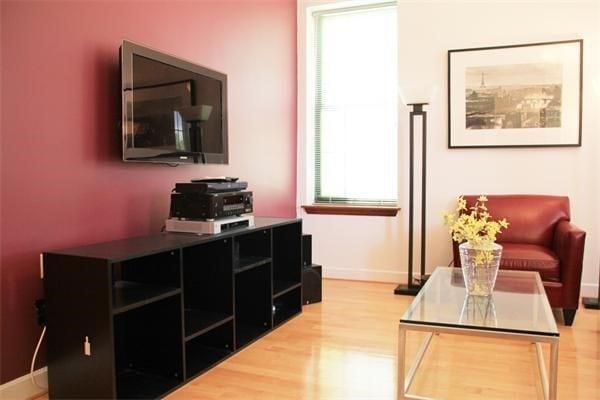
[(343, 209)]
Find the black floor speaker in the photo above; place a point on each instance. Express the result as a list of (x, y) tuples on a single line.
[(306, 249), (311, 284)]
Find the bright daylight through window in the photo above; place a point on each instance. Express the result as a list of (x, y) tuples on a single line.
[(355, 106)]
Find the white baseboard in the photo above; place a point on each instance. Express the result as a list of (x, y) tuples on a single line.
[(23, 389), (364, 274), (589, 290)]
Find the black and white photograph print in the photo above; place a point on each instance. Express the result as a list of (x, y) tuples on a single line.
[(515, 96)]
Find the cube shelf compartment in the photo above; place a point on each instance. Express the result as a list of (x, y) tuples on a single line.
[(286, 256), (287, 304), (206, 350), (143, 280), (147, 348), (208, 286), (253, 304)]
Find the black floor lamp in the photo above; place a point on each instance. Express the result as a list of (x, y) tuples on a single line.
[(413, 285), (591, 302)]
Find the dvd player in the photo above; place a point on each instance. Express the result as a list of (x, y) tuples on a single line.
[(210, 187), (209, 227)]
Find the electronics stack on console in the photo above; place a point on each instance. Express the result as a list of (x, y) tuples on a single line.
[(210, 205), (311, 274)]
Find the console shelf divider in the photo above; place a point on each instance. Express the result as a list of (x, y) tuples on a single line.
[(131, 295), (247, 263), (282, 287), (203, 321)]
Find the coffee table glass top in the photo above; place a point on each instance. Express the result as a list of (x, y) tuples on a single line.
[(518, 304)]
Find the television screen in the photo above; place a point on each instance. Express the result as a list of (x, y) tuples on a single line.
[(174, 111)]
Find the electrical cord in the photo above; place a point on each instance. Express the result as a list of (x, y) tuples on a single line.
[(37, 348)]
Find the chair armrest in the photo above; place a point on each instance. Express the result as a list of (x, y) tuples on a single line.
[(568, 244)]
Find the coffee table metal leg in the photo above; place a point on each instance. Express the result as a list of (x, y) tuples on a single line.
[(401, 359), (553, 370), (417, 361), (549, 379), (542, 368), (405, 380)]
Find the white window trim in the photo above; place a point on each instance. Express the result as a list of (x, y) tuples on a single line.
[(305, 89)]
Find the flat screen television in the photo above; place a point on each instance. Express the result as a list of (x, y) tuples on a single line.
[(173, 111)]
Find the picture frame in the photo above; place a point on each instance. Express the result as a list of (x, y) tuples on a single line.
[(525, 95)]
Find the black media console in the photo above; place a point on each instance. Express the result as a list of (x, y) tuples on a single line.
[(159, 310)]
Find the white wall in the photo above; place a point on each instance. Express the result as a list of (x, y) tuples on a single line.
[(375, 248)]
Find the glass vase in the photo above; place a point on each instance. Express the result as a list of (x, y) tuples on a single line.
[(480, 267)]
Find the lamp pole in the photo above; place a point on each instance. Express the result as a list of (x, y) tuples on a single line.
[(412, 287)]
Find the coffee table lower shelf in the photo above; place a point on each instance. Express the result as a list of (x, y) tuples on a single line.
[(405, 379)]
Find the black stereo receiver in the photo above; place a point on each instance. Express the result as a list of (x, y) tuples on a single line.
[(194, 205)]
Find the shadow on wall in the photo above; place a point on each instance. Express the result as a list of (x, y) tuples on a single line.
[(104, 108), (158, 212)]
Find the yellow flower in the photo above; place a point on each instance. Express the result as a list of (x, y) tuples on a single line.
[(474, 225), (462, 204)]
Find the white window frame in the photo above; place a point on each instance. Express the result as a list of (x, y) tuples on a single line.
[(306, 91)]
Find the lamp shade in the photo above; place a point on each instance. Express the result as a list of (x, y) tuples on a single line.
[(413, 93), (195, 113)]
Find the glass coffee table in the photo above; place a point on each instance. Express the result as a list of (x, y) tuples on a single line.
[(517, 310)]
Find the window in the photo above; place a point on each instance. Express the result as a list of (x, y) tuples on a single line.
[(354, 105)]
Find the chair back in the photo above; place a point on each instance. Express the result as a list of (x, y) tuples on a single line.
[(531, 218)]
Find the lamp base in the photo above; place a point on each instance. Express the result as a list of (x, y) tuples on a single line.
[(411, 289), (591, 303), (405, 289)]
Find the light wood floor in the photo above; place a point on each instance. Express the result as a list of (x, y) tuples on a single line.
[(345, 348)]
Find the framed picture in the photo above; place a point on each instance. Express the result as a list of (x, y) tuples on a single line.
[(525, 95)]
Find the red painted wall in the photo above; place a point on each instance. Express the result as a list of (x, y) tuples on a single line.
[(62, 181)]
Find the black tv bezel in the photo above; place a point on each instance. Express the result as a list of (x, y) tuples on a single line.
[(127, 50)]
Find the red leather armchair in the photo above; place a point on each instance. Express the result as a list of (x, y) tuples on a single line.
[(540, 237)]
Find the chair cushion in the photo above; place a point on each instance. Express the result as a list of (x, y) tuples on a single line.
[(531, 257)]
